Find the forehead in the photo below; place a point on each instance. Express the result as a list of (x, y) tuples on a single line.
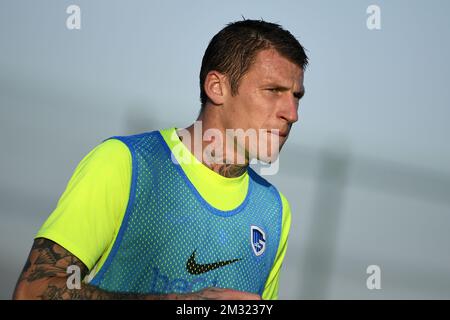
[(270, 66)]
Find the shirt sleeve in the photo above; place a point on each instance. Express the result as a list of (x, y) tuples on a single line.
[(89, 212), (271, 288)]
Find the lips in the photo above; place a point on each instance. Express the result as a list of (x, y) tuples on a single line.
[(280, 133)]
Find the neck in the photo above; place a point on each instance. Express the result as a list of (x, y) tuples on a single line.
[(229, 170), (224, 168)]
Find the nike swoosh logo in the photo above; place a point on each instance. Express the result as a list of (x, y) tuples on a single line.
[(198, 268)]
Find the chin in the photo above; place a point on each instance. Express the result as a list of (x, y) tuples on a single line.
[(269, 149), (268, 157)]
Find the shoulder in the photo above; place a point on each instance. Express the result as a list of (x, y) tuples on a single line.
[(112, 147), (93, 203), (261, 182), (138, 137), (108, 154), (107, 164), (286, 209)]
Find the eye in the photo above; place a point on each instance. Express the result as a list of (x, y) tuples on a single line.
[(299, 95), (274, 90)]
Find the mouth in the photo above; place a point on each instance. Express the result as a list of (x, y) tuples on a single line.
[(280, 133)]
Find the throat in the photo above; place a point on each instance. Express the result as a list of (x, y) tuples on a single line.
[(229, 170)]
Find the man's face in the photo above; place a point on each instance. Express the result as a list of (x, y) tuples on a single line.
[(268, 98)]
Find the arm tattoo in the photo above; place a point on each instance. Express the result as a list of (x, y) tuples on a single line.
[(48, 259), (48, 262), (46, 270)]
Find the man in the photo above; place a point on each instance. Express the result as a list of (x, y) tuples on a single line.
[(174, 214)]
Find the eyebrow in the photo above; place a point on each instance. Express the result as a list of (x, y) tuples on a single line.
[(297, 94)]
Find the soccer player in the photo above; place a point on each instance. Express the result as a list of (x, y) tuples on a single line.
[(173, 213)]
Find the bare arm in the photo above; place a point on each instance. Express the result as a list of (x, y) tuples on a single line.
[(45, 277)]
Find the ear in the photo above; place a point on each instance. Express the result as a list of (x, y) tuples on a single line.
[(216, 87)]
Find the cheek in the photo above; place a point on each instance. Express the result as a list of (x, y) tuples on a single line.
[(242, 113), (251, 111), (260, 108)]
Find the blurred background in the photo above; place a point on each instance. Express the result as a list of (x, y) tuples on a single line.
[(366, 168)]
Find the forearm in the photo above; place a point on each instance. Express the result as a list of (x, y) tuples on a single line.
[(57, 289), (44, 276)]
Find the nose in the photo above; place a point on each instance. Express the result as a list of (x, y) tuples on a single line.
[(289, 110)]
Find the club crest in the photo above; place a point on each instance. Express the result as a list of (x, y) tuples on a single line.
[(258, 240)]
